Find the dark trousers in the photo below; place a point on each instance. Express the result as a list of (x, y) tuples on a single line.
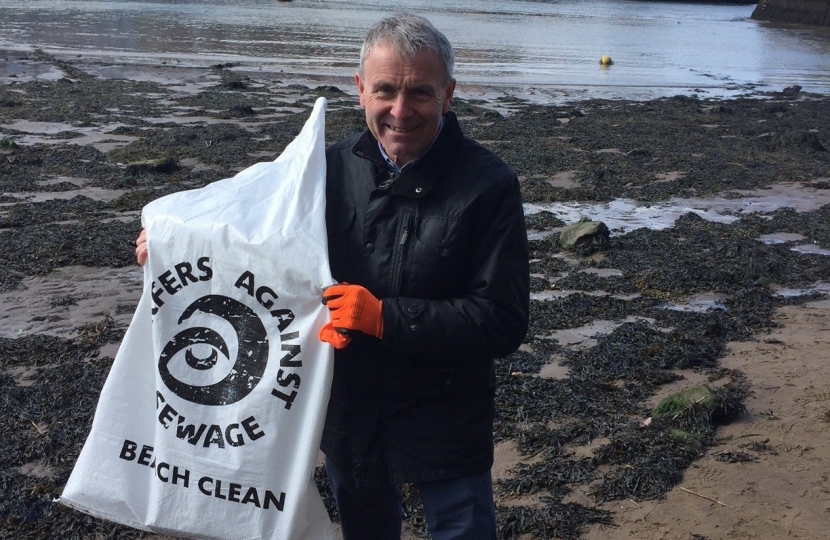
[(458, 509)]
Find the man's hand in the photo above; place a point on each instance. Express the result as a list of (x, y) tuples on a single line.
[(353, 307), (141, 248)]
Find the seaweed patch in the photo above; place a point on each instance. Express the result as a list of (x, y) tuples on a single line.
[(591, 432)]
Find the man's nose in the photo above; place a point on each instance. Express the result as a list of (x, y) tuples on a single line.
[(401, 107)]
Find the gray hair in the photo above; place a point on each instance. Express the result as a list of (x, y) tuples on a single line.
[(408, 34)]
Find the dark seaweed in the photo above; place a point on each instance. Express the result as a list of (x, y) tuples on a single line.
[(767, 142)]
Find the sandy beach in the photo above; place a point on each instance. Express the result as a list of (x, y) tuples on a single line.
[(717, 274)]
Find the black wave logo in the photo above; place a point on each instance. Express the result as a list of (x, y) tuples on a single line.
[(251, 358)]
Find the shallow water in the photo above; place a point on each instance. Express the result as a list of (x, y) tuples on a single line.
[(546, 50), (625, 215)]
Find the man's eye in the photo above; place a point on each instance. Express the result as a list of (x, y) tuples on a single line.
[(421, 94)]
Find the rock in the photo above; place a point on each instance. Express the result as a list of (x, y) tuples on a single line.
[(812, 141), (162, 165), (814, 12), (677, 403), (791, 91), (7, 144), (241, 109), (328, 89), (585, 237), (795, 139), (688, 439), (721, 109), (776, 108), (235, 84), (543, 221)]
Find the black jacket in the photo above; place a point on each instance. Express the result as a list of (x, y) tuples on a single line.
[(445, 248)]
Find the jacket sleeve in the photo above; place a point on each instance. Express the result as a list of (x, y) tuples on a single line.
[(490, 319)]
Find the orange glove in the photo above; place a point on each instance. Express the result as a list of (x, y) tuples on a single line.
[(336, 339), (353, 307)]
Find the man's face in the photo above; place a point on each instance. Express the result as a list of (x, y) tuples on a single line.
[(404, 100)]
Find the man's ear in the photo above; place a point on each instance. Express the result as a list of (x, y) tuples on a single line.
[(359, 83), (448, 92)]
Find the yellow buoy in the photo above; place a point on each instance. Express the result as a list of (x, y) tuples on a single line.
[(606, 60)]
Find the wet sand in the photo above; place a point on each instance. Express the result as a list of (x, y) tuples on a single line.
[(717, 274)]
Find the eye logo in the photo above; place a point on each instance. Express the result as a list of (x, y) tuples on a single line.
[(251, 359)]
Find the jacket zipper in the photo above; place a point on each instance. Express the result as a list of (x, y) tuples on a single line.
[(400, 253)]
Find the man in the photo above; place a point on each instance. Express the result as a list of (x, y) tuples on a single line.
[(427, 228), (427, 240)]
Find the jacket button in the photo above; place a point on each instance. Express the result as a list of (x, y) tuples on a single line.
[(413, 327), (412, 310), (418, 190), (370, 247), (360, 153)]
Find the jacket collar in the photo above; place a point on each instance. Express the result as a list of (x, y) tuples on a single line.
[(418, 179)]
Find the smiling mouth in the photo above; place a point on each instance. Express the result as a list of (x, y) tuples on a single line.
[(400, 129)]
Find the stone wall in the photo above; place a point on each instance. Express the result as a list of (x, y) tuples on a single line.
[(814, 12)]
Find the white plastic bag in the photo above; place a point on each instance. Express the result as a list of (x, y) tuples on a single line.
[(209, 423)]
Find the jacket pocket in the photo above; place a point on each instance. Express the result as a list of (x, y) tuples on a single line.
[(438, 263), (439, 236)]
